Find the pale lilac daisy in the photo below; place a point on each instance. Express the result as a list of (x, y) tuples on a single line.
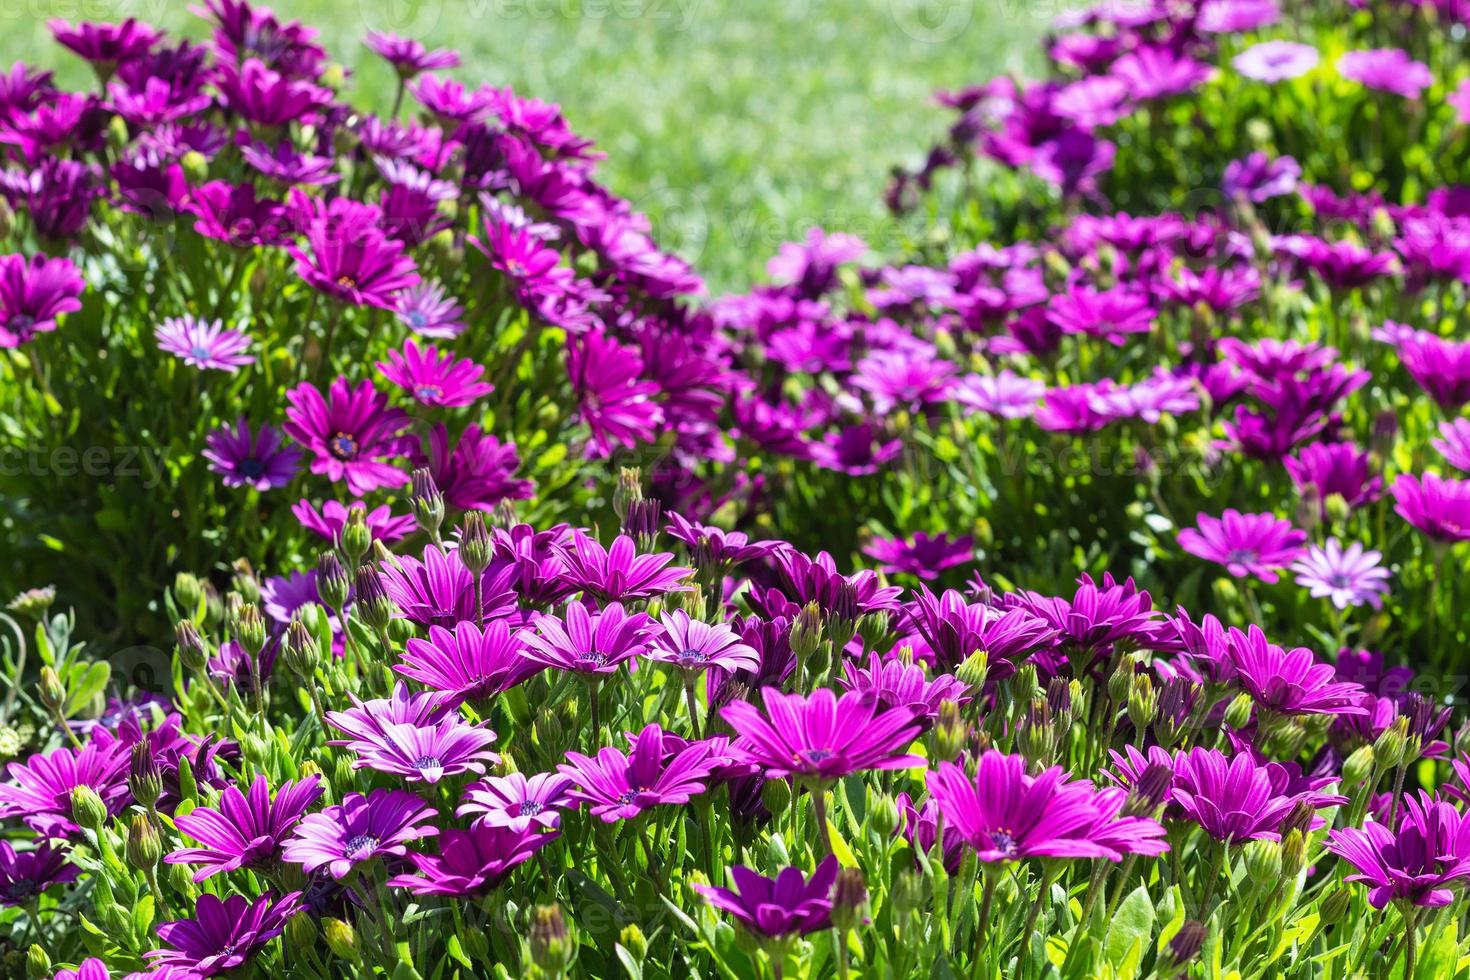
[(1348, 576), (1276, 61), (1006, 394), (204, 344)]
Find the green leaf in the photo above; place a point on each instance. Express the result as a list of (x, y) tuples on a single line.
[(83, 683), (1129, 933)]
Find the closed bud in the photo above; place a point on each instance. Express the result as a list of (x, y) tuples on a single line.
[(475, 943), (52, 692), (776, 795), (332, 583), (806, 632), (1337, 507), (143, 849), (873, 628), (1187, 943), (303, 653), (633, 940), (1059, 700), (1143, 702), (301, 934), (245, 581), (884, 818), (1024, 683), (145, 778), (373, 604), (474, 542), (181, 879), (973, 670), (1384, 432), (1145, 795), (1357, 767), (1037, 737), (341, 939), (1238, 713), (250, 629), (642, 522), (356, 539), (190, 646), (907, 891), (950, 732), (234, 603), (1120, 681), (87, 809), (850, 899), (38, 964), (1388, 750), (426, 500), (196, 166), (188, 593), (1263, 863), (551, 943), (1293, 853), (1335, 905), (628, 491), (1298, 818), (255, 748)]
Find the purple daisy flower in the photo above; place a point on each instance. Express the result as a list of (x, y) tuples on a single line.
[(694, 646), (1437, 506), (282, 596), (821, 737), (246, 830), (467, 664), (1454, 443), (246, 459), (40, 793), (1258, 177), (1348, 576), (223, 934), (1153, 72), (618, 573), (426, 753), (1233, 799), (94, 969), (902, 380), (26, 875), (105, 45), (360, 829), (369, 720), (1290, 682), (348, 256), (471, 862), (204, 344), (587, 642), (617, 407), (516, 802), (1007, 815), (284, 164), (329, 521), (268, 98), (789, 904), (1441, 367), (440, 590), (349, 433), (231, 213), (1246, 544), (952, 628), (619, 787), (408, 57), (1422, 863), (429, 311), (1339, 468), (1005, 394), (1276, 61), (899, 683), (924, 556), (715, 548), (433, 380), (1109, 314), (478, 473), (1387, 70), (33, 293)]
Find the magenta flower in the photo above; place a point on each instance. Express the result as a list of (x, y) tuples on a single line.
[(433, 380), (94, 969), (1441, 367), (774, 908), (952, 628), (1153, 72), (471, 862), (478, 473), (1454, 443), (902, 380), (1419, 864), (26, 875), (246, 831), (1335, 468), (349, 433), (204, 344), (1387, 70), (517, 803), (1348, 576), (618, 573), (429, 311), (587, 642), (467, 664), (1246, 544), (1258, 177), (268, 98), (349, 257), (1108, 314), (617, 407), (329, 521), (33, 293), (40, 793), (246, 459), (924, 556), (231, 213), (1233, 799), (897, 683), (1437, 506), (105, 45), (425, 753), (408, 57), (1007, 815), (440, 590), (223, 934), (368, 720), (1005, 394), (360, 829), (619, 787), (694, 646), (821, 737), (1290, 681)]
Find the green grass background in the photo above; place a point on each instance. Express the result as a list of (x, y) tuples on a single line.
[(735, 124)]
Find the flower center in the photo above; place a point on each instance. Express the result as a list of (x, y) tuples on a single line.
[(346, 281), (417, 320), (530, 808), (1241, 556), (428, 762), (1003, 842), (593, 657), (692, 656), (516, 268), (360, 844), (22, 321), (21, 888), (199, 353), (817, 756), (250, 467), (426, 393), (630, 796), (342, 446)]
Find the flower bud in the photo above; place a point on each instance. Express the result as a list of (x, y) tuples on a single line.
[(1186, 944), (973, 669), (181, 879), (476, 944), (806, 632), (1337, 508), (250, 629), (301, 934), (642, 522), (145, 778), (850, 899), (143, 848), (628, 490), (332, 583), (52, 692), (474, 542), (907, 891), (245, 581), (1151, 789), (303, 653), (1037, 737), (190, 646), (87, 809), (633, 940), (38, 964), (1293, 853), (187, 594), (950, 732), (32, 602), (1357, 767), (373, 604), (884, 817), (873, 628), (776, 795), (341, 939), (1120, 681), (426, 500), (1335, 905), (1388, 750), (1143, 702), (552, 947), (1263, 863), (1238, 713)]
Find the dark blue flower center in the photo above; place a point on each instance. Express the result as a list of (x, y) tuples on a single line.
[(361, 843), (250, 466), (428, 762), (199, 352), (426, 393), (593, 657), (21, 322), (816, 755), (530, 808), (1003, 842), (342, 446), (21, 888), (516, 268), (417, 320), (692, 656), (1241, 556)]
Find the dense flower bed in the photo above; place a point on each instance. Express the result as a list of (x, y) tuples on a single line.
[(519, 617)]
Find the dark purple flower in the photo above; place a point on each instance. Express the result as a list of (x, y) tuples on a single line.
[(1441, 367), (618, 573), (105, 45), (440, 590), (900, 683), (232, 213), (924, 556), (1339, 468), (268, 98), (478, 474), (408, 57), (775, 908), (244, 831), (329, 521), (360, 829), (587, 642), (617, 406), (471, 862), (33, 293), (1232, 799), (518, 803), (467, 664), (1422, 863), (1290, 681), (25, 875), (954, 628), (251, 459), (348, 256), (223, 934), (40, 793), (431, 379), (1438, 506)]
